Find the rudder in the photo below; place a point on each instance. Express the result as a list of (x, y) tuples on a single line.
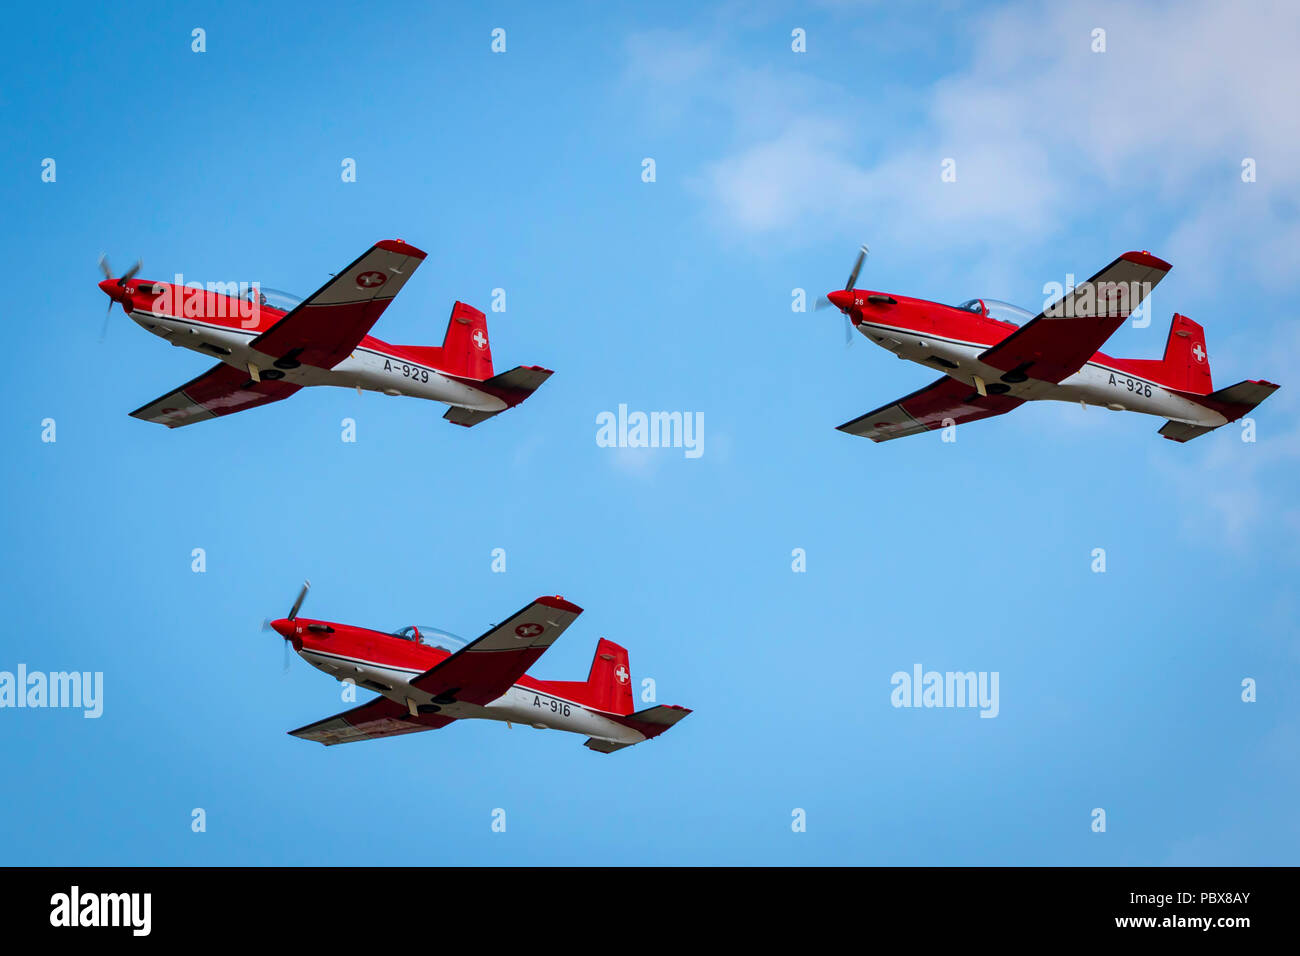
[(610, 678), (465, 349), (608, 686), (1186, 364)]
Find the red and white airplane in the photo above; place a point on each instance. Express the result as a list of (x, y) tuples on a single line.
[(992, 363), (269, 346), (428, 678)]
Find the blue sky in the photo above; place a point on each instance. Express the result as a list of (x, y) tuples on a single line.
[(522, 171)]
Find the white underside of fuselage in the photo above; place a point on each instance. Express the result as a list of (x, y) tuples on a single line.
[(1094, 384), (365, 368), (518, 705)]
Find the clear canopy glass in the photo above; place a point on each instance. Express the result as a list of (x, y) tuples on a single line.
[(1006, 312), (997, 309), (279, 299), (272, 298), (432, 636)]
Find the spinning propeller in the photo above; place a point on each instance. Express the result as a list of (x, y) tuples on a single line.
[(121, 281), (824, 302), (293, 613)]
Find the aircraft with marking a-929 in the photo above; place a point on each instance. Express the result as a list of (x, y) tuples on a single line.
[(269, 345), (995, 357), (428, 678)]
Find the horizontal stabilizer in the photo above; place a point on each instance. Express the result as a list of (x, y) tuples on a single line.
[(511, 387), (469, 417), (1244, 393), (650, 722), (1182, 431), (521, 378), (603, 746), (1234, 402)]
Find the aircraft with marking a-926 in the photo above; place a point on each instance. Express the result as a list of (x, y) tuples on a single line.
[(995, 357)]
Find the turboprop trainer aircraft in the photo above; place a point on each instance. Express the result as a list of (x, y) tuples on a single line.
[(995, 357), (428, 678), (269, 344)]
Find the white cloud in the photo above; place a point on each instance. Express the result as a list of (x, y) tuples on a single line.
[(1225, 486), (1044, 131)]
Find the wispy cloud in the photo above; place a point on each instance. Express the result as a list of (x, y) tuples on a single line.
[(1044, 132)]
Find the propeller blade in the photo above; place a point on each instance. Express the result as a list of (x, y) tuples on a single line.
[(104, 267), (848, 331), (822, 303), (107, 314), (266, 624), (297, 605), (285, 666), (131, 272), (857, 268)]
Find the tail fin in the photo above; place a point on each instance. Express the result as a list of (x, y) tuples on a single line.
[(608, 686), (1186, 363), (465, 349)]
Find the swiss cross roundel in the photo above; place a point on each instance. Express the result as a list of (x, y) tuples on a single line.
[(479, 339), (528, 630), (371, 280), (621, 674), (1198, 352)]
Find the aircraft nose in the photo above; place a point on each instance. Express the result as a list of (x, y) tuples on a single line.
[(111, 289), (842, 299), (283, 627)]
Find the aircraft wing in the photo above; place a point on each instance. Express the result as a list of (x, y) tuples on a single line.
[(1058, 341), (484, 669), (221, 390), (379, 718), (929, 408), (325, 328)]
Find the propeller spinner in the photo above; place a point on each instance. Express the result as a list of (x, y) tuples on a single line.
[(283, 627), (109, 285), (841, 300)]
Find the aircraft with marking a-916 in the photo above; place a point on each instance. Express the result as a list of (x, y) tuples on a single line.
[(995, 357), (269, 345), (428, 678)]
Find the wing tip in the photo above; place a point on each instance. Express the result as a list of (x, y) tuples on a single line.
[(559, 603), (401, 247), (1145, 258)]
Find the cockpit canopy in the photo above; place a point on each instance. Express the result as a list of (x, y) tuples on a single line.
[(275, 298), (997, 309), (431, 636)]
